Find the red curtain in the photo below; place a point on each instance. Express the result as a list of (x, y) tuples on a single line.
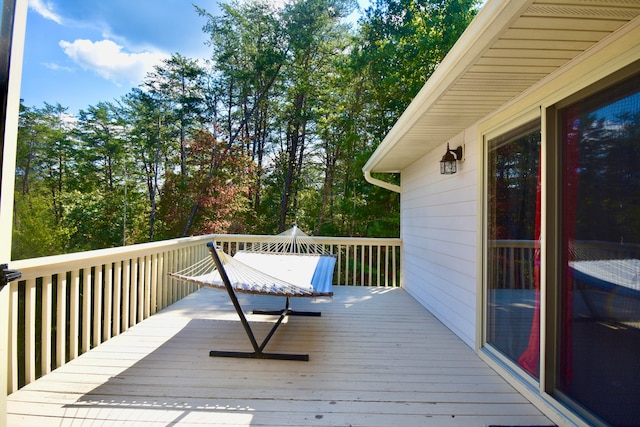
[(530, 358)]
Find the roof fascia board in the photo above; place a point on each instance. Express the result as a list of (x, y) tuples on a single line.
[(493, 19)]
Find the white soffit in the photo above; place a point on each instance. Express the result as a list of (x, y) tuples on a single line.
[(509, 47)]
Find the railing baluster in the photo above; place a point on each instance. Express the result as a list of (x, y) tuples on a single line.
[(148, 268), (355, 264), (97, 305), (61, 320), (339, 263), (165, 281), (74, 314), (133, 302), (386, 266), (117, 299), (47, 323), (378, 266), (175, 264), (512, 267), (361, 282), (108, 301), (346, 265), (30, 330), (126, 295), (394, 264), (87, 306), (370, 264), (153, 284)]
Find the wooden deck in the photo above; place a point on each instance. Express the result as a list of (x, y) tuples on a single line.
[(377, 358)]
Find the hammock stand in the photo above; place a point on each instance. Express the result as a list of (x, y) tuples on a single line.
[(282, 289)]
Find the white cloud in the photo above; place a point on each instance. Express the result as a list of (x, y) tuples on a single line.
[(45, 9), (56, 67), (108, 60)]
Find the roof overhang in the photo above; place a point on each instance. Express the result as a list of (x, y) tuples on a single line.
[(509, 47)]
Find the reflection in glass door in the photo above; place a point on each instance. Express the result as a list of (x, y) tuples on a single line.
[(513, 255), (599, 360)]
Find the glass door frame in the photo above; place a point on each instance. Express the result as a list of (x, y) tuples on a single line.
[(544, 390), (483, 345)]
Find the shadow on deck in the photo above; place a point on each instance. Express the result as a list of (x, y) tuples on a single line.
[(377, 358)]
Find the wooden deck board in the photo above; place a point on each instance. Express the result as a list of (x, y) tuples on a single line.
[(377, 358)]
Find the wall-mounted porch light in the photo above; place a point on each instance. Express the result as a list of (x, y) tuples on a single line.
[(448, 163)]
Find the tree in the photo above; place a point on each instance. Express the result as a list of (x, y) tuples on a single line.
[(102, 152), (44, 151), (249, 52), (400, 45), (217, 182), (150, 146), (178, 85), (315, 37)]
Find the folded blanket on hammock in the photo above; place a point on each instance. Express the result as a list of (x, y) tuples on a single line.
[(282, 274)]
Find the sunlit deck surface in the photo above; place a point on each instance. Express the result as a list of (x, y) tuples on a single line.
[(377, 358)]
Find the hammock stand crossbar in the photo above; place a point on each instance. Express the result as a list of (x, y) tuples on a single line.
[(258, 349)]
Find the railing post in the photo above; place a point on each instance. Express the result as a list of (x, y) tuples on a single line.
[(4, 344), (12, 350)]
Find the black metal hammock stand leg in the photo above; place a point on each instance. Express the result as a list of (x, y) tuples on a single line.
[(258, 349)]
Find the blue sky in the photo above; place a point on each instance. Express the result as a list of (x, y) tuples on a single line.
[(80, 52)]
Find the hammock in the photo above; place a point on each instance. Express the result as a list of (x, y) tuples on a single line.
[(289, 265)]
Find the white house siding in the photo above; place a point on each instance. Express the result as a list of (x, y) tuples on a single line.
[(439, 221)]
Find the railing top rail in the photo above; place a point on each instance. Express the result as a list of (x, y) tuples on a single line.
[(320, 239), (38, 267), (508, 243)]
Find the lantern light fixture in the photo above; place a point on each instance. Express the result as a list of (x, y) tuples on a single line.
[(448, 164)]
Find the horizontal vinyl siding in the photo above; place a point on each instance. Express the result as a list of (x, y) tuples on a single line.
[(438, 231)]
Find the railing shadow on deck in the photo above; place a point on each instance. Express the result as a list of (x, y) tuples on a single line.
[(160, 371), (156, 384), (65, 305)]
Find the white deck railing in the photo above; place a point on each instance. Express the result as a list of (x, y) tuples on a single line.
[(511, 262), (359, 261), (65, 305)]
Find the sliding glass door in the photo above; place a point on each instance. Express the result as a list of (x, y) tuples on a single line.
[(513, 256), (590, 254), (599, 326)]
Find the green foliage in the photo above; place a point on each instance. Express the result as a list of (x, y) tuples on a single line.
[(275, 129), (400, 45), (96, 219), (35, 231)]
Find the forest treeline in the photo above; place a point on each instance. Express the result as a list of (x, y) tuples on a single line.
[(273, 129)]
